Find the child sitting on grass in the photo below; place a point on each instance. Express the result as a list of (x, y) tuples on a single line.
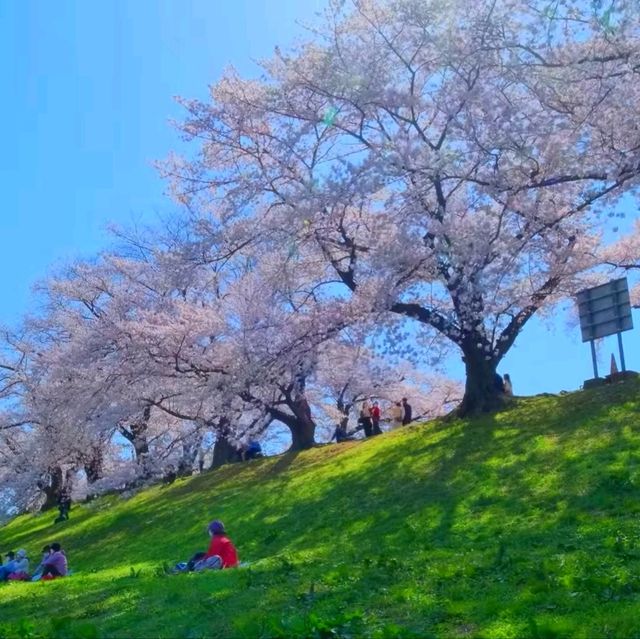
[(37, 573), (221, 553)]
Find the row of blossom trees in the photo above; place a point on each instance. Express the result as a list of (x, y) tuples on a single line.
[(417, 178), (180, 350)]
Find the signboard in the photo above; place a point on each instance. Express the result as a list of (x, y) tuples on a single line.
[(605, 310)]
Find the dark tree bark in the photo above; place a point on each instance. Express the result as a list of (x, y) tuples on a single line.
[(190, 448), (223, 452), (52, 485), (302, 435), (344, 407), (93, 467), (136, 433), (298, 419), (299, 423), (481, 394)]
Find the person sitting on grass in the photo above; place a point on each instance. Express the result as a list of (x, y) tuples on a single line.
[(37, 573), (221, 553), (11, 555), (55, 565), (340, 434), (253, 450), (20, 570), (16, 565), (7, 565), (220, 546)]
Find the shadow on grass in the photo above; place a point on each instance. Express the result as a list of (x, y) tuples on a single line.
[(451, 524)]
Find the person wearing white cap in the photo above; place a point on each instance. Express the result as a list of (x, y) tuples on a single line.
[(20, 564)]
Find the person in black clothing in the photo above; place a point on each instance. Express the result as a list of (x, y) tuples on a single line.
[(498, 383), (64, 506), (340, 434), (171, 475), (407, 416), (365, 422)]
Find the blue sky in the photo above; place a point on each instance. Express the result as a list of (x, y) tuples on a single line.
[(88, 94)]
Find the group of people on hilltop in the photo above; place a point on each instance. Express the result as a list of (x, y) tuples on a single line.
[(52, 565), (370, 417)]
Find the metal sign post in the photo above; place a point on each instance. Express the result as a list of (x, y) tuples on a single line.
[(621, 350), (605, 310), (594, 359)]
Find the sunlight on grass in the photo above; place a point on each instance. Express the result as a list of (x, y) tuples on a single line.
[(518, 524)]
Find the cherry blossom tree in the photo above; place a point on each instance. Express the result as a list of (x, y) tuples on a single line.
[(623, 257), (41, 448), (271, 322), (446, 162)]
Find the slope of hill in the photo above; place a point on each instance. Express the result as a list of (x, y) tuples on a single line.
[(524, 523)]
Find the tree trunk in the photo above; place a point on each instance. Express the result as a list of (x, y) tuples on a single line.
[(93, 468), (223, 452), (300, 423), (303, 428), (481, 394), (190, 448), (141, 448), (344, 409), (52, 487), (137, 435)]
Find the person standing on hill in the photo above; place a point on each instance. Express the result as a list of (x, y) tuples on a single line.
[(374, 411), (201, 458), (508, 387), (407, 412), (365, 419), (64, 506), (397, 414)]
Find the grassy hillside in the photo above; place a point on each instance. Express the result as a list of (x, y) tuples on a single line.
[(521, 524)]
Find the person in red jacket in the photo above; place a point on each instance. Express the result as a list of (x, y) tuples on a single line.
[(374, 411), (221, 554), (221, 546)]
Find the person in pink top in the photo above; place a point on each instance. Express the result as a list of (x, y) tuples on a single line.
[(55, 565)]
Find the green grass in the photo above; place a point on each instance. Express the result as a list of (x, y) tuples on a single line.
[(520, 524)]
